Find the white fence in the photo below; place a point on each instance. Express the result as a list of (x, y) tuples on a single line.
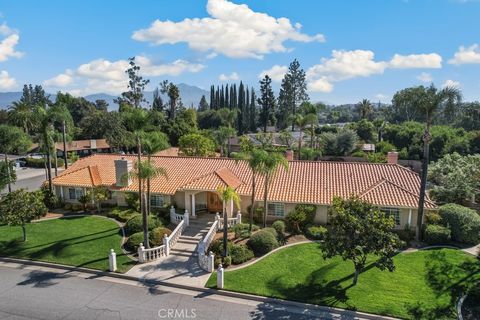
[(146, 255), (176, 218), (231, 222)]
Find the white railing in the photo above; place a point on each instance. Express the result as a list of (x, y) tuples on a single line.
[(205, 261), (175, 218), (177, 232), (145, 255), (230, 221)]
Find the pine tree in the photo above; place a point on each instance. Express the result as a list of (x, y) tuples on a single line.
[(294, 86), (267, 103), (157, 103), (241, 108), (203, 105), (212, 97)]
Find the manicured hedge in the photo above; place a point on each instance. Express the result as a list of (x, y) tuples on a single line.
[(40, 163), (262, 242), (316, 232), (279, 226), (134, 241), (436, 234), (122, 215), (242, 230), (464, 223), (156, 235), (135, 225), (240, 253)]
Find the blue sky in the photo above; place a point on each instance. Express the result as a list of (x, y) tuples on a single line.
[(350, 49)]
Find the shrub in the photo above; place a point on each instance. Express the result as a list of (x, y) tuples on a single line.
[(240, 253), (272, 231), (132, 200), (262, 242), (156, 236), (432, 217), (242, 230), (217, 247), (300, 217), (122, 215), (134, 241), (227, 261), (464, 223), (67, 206), (135, 225), (279, 226), (40, 163), (407, 234), (316, 232), (435, 234), (77, 207)]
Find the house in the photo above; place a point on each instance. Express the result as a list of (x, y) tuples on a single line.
[(192, 184), (81, 147)]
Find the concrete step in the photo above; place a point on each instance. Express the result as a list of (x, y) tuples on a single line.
[(189, 241), (192, 238)]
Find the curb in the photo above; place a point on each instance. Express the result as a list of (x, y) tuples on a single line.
[(459, 306), (211, 291)]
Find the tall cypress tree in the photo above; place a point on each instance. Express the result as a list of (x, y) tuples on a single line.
[(246, 117), (241, 108), (222, 98), (235, 103), (212, 97), (217, 99), (253, 111), (227, 100)]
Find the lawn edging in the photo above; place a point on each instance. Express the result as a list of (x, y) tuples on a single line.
[(232, 294), (255, 260)]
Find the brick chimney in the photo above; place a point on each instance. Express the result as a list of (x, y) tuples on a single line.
[(122, 167), (392, 157), (289, 155)]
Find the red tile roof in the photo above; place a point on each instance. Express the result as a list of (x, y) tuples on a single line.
[(314, 182)]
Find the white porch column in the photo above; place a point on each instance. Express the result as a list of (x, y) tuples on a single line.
[(193, 205), (186, 218), (61, 192), (410, 217)]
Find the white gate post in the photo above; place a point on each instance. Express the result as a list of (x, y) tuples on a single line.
[(211, 261), (172, 214), (166, 244), (239, 217), (220, 281), (112, 261), (186, 217), (141, 253)]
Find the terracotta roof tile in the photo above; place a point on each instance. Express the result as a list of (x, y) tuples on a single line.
[(313, 182)]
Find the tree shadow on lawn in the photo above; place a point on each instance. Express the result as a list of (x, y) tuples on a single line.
[(316, 289), (445, 278)]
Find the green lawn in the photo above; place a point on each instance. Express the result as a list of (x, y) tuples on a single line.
[(76, 241), (420, 287)]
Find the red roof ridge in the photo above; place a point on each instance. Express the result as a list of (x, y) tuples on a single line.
[(94, 176), (383, 181), (67, 172), (223, 171)]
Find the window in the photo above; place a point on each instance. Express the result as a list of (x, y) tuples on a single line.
[(276, 209), (157, 200), (392, 212), (75, 193)]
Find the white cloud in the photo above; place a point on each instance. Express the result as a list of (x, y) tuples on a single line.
[(412, 61), (320, 85), (451, 83), (6, 82), (7, 45), (467, 55), (382, 97), (233, 76), (344, 65), (425, 77), (233, 30), (60, 80), (276, 73), (106, 76)]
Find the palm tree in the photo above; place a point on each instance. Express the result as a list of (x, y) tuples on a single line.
[(153, 142), (22, 115), (302, 120), (255, 159), (268, 168), (228, 118), (143, 171), (365, 108), (226, 195), (60, 116), (431, 104)]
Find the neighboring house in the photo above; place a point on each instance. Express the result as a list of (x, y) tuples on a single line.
[(192, 184), (82, 147)]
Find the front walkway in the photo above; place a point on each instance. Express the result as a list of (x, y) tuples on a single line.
[(181, 266)]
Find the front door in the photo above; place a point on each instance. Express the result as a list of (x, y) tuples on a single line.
[(214, 204)]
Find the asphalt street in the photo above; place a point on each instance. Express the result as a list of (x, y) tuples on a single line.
[(27, 293), (29, 178)]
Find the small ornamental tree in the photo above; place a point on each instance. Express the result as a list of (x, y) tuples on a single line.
[(21, 207), (97, 195), (359, 230)]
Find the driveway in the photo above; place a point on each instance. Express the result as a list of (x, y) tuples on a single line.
[(30, 179)]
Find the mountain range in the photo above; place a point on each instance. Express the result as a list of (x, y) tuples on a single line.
[(190, 95)]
